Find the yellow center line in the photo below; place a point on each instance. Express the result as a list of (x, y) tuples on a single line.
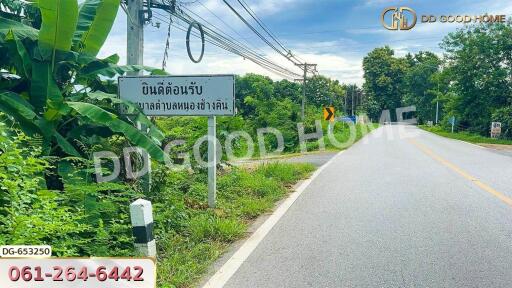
[(463, 173)]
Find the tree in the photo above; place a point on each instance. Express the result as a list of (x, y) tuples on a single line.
[(384, 81), (285, 88), (322, 91), (250, 89), (421, 85), (480, 64)]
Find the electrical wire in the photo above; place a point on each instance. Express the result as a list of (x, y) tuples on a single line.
[(217, 37), (234, 49), (257, 32), (251, 12), (221, 43)]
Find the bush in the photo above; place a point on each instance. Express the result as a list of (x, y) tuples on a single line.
[(30, 214), (85, 219), (504, 115)]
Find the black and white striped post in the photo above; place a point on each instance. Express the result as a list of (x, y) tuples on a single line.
[(141, 212)]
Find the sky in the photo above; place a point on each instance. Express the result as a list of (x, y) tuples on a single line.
[(335, 34)]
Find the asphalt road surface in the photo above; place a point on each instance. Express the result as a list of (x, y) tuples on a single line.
[(402, 212)]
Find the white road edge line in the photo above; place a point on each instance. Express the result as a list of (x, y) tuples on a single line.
[(222, 276)]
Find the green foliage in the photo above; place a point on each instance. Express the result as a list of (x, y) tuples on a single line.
[(322, 91), (87, 219), (479, 60), (24, 11), (466, 136), (421, 84), (95, 20), (67, 97), (210, 228), (384, 81), (30, 214), (58, 26), (472, 82), (504, 115), (261, 103)]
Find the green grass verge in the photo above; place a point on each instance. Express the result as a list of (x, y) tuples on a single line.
[(190, 237), (466, 136)]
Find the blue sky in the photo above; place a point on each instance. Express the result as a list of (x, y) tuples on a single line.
[(335, 34)]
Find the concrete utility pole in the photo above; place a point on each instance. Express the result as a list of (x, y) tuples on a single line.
[(305, 67), (437, 112), (135, 34), (437, 105), (135, 56), (353, 91), (346, 102)]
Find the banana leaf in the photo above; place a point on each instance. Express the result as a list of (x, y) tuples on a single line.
[(19, 54), (21, 30), (105, 118), (58, 26), (44, 91), (95, 21), (15, 106), (131, 109), (14, 103)]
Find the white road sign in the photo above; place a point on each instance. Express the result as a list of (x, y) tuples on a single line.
[(212, 95), (495, 129)]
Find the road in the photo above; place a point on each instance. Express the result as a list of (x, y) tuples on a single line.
[(413, 212)]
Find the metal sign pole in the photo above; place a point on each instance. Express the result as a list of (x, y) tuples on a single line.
[(212, 161)]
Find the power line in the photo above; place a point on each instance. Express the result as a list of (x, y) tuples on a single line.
[(248, 9), (225, 24), (230, 48), (226, 45), (257, 32), (214, 35), (287, 53)]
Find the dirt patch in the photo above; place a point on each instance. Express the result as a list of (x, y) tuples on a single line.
[(497, 146)]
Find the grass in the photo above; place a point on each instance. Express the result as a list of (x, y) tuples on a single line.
[(466, 136), (190, 237)]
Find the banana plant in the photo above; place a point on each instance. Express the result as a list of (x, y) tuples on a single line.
[(53, 86), (94, 24)]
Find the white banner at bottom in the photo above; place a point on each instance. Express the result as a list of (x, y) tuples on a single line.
[(77, 272)]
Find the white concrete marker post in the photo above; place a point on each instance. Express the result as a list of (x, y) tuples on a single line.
[(141, 212), (212, 161)]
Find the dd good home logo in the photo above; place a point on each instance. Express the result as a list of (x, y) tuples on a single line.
[(398, 18)]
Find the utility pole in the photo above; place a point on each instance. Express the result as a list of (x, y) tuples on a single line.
[(135, 56), (437, 104), (135, 34), (353, 91), (346, 102), (305, 67), (437, 112)]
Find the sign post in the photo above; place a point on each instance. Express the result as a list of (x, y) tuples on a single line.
[(495, 129), (452, 121), (199, 95), (212, 161), (329, 116)]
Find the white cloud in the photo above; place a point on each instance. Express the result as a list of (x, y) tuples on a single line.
[(340, 58)]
